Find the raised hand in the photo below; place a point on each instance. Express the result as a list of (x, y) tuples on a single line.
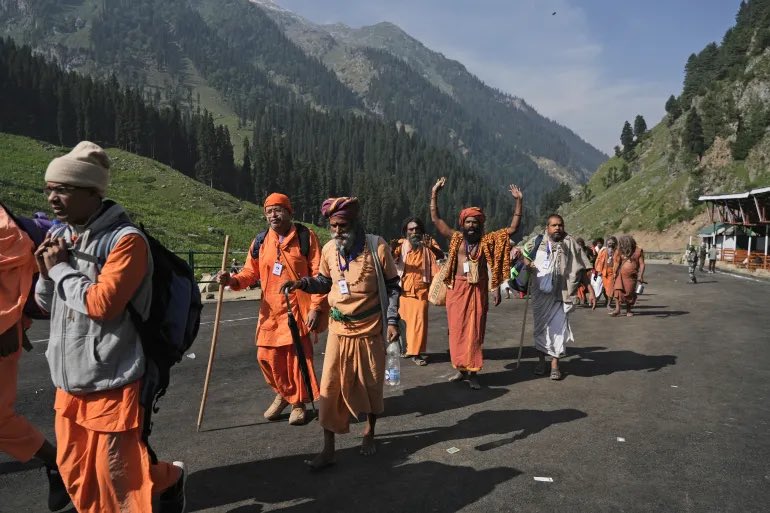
[(439, 184), (515, 192)]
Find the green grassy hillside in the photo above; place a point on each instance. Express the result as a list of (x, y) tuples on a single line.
[(180, 212), (649, 199)]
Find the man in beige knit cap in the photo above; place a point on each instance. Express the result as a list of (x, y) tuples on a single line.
[(94, 353)]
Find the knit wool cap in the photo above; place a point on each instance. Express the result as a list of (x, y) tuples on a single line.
[(87, 165)]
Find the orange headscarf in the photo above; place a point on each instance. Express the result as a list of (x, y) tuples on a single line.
[(472, 212), (280, 200)]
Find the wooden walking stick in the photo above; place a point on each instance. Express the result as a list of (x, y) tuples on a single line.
[(214, 337), (524, 321), (526, 307)]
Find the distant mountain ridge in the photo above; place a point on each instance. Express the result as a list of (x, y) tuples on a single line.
[(231, 58), (344, 49)]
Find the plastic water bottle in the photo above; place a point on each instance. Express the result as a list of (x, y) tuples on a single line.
[(393, 364)]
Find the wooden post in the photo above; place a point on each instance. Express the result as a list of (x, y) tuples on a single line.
[(214, 336)]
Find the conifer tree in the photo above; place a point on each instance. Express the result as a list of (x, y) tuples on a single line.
[(640, 126), (692, 137), (627, 138), (672, 108)]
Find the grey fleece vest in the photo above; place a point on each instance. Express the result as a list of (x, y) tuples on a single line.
[(84, 354)]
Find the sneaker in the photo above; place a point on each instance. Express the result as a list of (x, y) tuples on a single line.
[(275, 409), (58, 498), (555, 374), (174, 500), (298, 415)]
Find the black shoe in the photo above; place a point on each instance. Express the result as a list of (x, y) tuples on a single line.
[(58, 498), (174, 500)]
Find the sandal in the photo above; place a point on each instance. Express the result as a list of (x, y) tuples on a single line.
[(419, 361), (613, 313), (555, 374), (540, 369)]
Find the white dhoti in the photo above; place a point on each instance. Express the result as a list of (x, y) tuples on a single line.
[(552, 331)]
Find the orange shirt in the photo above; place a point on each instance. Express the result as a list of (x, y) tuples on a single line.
[(17, 267), (118, 409), (273, 327), (412, 284), (119, 279), (361, 279), (109, 411)]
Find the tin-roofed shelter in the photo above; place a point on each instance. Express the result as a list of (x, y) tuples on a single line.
[(741, 223)]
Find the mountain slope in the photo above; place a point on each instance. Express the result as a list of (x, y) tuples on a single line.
[(713, 140), (507, 119), (231, 58), (181, 212)]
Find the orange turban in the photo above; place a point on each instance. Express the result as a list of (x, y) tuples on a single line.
[(279, 200), (472, 212), (344, 207)]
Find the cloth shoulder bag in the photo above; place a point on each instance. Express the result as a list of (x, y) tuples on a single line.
[(437, 291)]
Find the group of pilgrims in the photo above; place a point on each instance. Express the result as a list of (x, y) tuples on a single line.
[(358, 287)]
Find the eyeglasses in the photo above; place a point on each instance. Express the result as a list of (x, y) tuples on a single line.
[(61, 190)]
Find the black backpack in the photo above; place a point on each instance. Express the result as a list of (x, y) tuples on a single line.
[(302, 233), (172, 325)]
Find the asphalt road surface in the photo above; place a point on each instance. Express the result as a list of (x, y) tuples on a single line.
[(667, 411)]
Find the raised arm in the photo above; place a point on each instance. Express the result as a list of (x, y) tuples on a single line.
[(439, 223), (519, 197)]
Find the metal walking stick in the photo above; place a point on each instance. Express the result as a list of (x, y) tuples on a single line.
[(214, 337)]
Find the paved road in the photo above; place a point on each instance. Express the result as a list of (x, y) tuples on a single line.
[(685, 383)]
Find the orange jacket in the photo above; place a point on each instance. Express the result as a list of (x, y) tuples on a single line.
[(273, 327)]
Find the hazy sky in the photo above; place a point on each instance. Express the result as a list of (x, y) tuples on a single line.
[(593, 65)]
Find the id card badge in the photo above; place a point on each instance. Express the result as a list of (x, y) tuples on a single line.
[(343, 286), (277, 268), (466, 267)]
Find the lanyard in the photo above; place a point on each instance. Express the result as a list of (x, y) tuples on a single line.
[(344, 264), (278, 248), (470, 249)]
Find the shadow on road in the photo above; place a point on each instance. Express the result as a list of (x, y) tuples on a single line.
[(410, 486), (438, 397), (662, 313), (596, 361)]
